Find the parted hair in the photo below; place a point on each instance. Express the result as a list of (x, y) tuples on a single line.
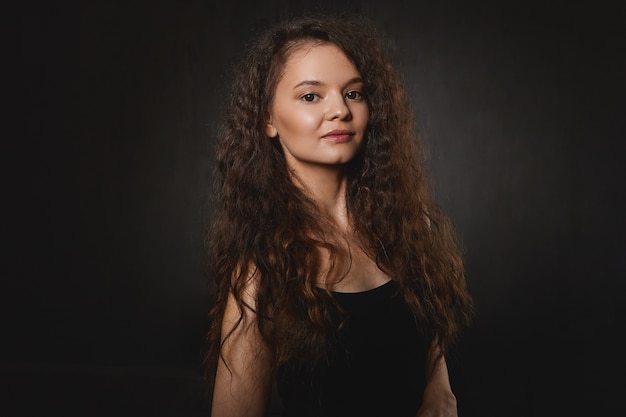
[(267, 228)]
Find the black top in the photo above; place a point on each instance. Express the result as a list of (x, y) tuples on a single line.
[(377, 365)]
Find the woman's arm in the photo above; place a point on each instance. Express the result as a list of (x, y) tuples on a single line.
[(243, 378), (439, 401)]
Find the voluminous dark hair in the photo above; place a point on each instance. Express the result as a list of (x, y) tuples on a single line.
[(267, 227)]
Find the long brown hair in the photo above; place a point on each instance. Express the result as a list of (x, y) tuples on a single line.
[(265, 222)]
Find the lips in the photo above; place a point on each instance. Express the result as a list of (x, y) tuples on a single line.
[(338, 135)]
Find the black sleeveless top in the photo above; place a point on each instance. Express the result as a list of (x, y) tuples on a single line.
[(376, 367)]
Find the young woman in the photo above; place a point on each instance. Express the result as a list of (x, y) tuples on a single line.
[(336, 277)]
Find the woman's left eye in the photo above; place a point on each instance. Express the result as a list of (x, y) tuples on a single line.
[(354, 95)]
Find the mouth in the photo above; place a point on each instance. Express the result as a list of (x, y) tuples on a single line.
[(338, 135)]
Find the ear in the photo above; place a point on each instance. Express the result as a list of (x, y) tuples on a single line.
[(270, 130)]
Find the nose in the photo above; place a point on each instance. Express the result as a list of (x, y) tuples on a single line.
[(338, 108)]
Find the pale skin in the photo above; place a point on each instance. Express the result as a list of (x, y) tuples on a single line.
[(319, 92)]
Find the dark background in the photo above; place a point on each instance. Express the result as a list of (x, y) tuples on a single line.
[(112, 111)]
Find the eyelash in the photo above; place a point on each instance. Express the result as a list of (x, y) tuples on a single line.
[(313, 97), (357, 92)]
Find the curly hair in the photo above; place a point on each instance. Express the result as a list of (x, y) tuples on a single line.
[(265, 225)]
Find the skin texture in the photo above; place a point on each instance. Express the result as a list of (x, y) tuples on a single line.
[(320, 90), (243, 388), (438, 400), (312, 100)]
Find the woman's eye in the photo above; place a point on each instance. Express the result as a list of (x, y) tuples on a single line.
[(309, 97), (354, 95)]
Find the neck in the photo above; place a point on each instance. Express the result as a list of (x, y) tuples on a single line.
[(327, 186)]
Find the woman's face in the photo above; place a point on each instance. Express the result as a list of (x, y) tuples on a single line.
[(318, 112)]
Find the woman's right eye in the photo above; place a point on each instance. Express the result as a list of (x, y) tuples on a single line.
[(310, 97)]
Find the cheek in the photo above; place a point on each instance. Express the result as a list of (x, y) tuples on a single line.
[(362, 116), (297, 123)]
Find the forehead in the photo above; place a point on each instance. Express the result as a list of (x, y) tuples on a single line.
[(317, 61)]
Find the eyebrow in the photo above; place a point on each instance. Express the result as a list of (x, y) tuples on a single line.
[(354, 80)]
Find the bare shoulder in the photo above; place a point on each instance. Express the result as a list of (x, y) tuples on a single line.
[(243, 378), (241, 304)]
